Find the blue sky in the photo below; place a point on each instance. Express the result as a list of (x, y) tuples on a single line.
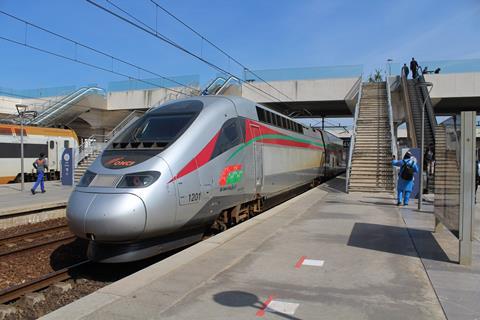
[(260, 34)]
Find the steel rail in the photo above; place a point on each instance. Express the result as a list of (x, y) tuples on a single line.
[(31, 232), (60, 240), (17, 291)]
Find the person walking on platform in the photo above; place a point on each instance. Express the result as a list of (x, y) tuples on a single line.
[(405, 70), (40, 165), (408, 167), (414, 68)]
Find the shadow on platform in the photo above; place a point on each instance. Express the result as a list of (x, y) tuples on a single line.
[(240, 299), (335, 185), (397, 240)]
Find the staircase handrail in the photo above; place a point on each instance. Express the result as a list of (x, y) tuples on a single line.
[(354, 135), (212, 84), (393, 143), (428, 105), (354, 89), (120, 126), (58, 102), (62, 104), (93, 143), (227, 85), (408, 111)]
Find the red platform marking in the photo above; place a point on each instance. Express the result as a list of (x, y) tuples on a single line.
[(261, 312), (300, 262)]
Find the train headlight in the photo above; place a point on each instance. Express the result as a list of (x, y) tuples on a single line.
[(87, 178), (138, 179)]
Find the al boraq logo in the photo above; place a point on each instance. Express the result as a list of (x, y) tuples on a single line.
[(230, 176)]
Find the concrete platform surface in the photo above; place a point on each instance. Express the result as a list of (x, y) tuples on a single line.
[(322, 255), (13, 200)]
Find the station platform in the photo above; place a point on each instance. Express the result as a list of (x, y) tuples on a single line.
[(20, 207), (322, 255)]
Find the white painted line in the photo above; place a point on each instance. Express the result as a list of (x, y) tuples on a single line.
[(282, 307), (313, 263)]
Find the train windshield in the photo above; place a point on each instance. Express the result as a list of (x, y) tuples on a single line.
[(160, 127)]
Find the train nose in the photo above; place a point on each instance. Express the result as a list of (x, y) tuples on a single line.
[(106, 217)]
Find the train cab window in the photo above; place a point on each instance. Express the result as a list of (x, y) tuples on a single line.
[(229, 137), (52, 144), (66, 144), (159, 127)]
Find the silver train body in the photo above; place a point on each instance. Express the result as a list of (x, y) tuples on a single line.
[(164, 180)]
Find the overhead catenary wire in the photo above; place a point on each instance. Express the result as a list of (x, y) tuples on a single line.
[(77, 43), (145, 28), (215, 46)]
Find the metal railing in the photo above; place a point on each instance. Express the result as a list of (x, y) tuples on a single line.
[(408, 112), (215, 85), (428, 103), (354, 90), (393, 144), (49, 114), (130, 118), (90, 145), (232, 86), (354, 135)]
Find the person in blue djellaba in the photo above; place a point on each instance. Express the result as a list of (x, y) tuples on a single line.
[(408, 168)]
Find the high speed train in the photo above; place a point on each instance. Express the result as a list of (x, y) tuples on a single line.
[(190, 164)]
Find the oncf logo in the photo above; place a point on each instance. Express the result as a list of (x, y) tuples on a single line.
[(120, 162), (231, 175)]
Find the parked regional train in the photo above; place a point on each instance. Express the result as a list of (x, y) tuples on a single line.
[(188, 164), (49, 141)]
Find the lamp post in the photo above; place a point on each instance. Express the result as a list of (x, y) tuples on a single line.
[(21, 108), (389, 63), (23, 113), (424, 85)]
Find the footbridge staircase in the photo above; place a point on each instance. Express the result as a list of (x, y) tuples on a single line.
[(373, 142), (416, 95), (417, 98), (67, 109)]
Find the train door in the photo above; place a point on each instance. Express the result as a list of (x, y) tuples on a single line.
[(52, 155), (257, 158)]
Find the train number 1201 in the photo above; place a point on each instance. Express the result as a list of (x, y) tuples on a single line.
[(194, 197)]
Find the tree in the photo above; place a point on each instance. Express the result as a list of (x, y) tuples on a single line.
[(376, 77)]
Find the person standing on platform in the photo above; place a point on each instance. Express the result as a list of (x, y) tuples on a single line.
[(405, 70), (41, 165), (414, 68), (408, 167)]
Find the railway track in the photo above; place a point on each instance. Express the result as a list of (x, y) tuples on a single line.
[(15, 292), (35, 239)]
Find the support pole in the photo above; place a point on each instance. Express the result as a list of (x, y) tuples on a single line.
[(420, 193), (22, 168), (467, 186)]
